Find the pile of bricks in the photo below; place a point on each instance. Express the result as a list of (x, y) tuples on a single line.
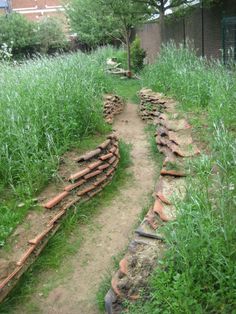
[(174, 140), (113, 105), (95, 171)]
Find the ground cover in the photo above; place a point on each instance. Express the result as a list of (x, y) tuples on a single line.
[(197, 274), (47, 106)]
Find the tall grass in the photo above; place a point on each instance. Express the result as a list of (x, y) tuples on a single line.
[(198, 273), (47, 106)]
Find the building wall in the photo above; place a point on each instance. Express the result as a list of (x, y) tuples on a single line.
[(37, 9), (202, 28)]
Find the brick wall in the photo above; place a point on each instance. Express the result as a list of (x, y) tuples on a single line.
[(37, 9), (202, 28)]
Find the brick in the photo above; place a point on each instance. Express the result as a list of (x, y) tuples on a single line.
[(92, 194), (75, 185), (50, 204), (114, 285), (92, 174), (107, 156), (79, 174)]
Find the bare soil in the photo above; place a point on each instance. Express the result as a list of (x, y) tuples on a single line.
[(110, 232)]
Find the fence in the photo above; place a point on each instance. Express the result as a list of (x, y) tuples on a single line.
[(207, 29)]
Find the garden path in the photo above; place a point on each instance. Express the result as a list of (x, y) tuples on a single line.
[(76, 291)]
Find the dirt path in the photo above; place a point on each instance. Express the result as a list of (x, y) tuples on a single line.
[(76, 291)]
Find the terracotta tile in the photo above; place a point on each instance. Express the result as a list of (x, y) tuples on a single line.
[(173, 173), (79, 174), (26, 255), (40, 236), (158, 208), (100, 180), (112, 160), (88, 189), (114, 284), (71, 187), (56, 217), (50, 204), (104, 166), (95, 164), (163, 198), (113, 149), (105, 144), (92, 174), (105, 157), (124, 266), (10, 277), (92, 154), (110, 172), (115, 163)]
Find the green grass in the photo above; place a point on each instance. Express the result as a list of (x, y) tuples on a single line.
[(66, 241), (127, 88), (197, 275), (47, 107)]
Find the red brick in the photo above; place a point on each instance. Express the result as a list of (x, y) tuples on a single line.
[(104, 166), (112, 160), (88, 189), (40, 236), (95, 164), (105, 144)]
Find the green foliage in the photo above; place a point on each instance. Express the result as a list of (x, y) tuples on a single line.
[(17, 32), (54, 104), (137, 55), (197, 274), (50, 35), (94, 25)]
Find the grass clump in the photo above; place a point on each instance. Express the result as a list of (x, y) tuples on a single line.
[(197, 275)]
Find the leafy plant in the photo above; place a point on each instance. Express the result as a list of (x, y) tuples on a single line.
[(138, 55)]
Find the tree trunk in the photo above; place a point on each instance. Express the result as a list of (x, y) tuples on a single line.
[(128, 53)]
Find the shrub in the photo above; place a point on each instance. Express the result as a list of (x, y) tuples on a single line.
[(17, 32), (50, 35), (137, 55)]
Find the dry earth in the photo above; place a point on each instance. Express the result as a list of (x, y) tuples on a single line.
[(113, 227)]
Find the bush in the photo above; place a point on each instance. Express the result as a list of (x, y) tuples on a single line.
[(50, 35), (17, 32), (137, 55)]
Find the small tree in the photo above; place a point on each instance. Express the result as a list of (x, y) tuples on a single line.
[(100, 21), (137, 54)]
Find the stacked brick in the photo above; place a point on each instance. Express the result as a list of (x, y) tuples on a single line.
[(174, 140), (95, 171), (113, 105)]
